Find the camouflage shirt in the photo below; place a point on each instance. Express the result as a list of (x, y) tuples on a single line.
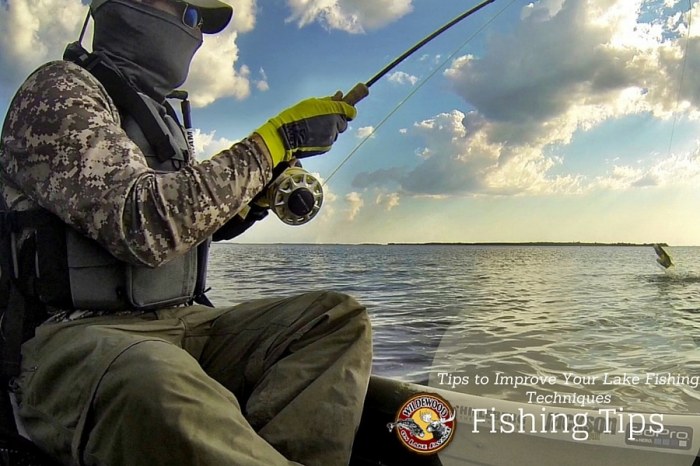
[(63, 149)]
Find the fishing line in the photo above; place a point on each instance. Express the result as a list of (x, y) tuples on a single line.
[(680, 84), (422, 82)]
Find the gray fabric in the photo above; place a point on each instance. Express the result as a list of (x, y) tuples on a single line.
[(123, 28), (169, 126), (270, 382)]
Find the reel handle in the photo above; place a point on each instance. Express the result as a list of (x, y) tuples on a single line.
[(357, 93)]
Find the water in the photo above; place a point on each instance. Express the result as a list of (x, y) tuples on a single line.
[(514, 310)]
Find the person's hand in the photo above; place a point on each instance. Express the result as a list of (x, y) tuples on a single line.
[(308, 128)]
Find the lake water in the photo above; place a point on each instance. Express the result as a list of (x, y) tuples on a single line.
[(469, 310)]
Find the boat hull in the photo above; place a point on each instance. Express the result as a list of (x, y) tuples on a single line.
[(479, 446)]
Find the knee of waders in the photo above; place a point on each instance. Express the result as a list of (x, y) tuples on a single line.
[(149, 375), (353, 313)]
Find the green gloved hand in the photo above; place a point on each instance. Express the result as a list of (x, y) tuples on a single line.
[(308, 128)]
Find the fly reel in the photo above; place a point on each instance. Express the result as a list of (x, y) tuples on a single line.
[(295, 196)]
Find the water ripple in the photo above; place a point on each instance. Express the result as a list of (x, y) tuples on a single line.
[(586, 311)]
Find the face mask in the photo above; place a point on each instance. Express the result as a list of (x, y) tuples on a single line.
[(153, 49)]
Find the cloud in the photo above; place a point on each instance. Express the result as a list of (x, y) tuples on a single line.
[(387, 200), (675, 170), (458, 167), (213, 75), (355, 203), (207, 144), (353, 16), (567, 67), (244, 14), (579, 61), (378, 177), (31, 37), (215, 72), (399, 77), (365, 131), (435, 59), (35, 32), (262, 85)]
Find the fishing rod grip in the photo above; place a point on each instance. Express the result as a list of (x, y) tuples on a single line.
[(357, 93)]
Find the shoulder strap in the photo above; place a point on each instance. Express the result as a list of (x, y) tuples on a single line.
[(127, 98)]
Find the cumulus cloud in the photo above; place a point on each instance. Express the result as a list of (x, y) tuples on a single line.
[(567, 67), (673, 170), (365, 131), (215, 72), (387, 200), (435, 59), (399, 77), (261, 84), (213, 75), (353, 16), (207, 144), (354, 203), (577, 58), (31, 37), (460, 167), (245, 12)]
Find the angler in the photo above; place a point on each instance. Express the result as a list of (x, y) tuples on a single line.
[(106, 224)]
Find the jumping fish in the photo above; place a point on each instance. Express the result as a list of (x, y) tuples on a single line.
[(664, 260)]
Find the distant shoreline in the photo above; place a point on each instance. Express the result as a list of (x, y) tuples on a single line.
[(531, 243)]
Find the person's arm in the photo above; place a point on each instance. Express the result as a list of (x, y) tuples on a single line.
[(65, 149)]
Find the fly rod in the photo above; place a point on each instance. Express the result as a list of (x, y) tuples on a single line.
[(296, 196), (361, 90)]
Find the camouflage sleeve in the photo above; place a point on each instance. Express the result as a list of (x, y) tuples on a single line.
[(64, 148)]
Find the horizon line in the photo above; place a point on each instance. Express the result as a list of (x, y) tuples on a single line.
[(461, 243)]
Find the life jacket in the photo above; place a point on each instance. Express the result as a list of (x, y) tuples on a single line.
[(98, 281), (58, 267)]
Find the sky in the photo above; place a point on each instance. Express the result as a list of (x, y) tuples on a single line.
[(549, 120)]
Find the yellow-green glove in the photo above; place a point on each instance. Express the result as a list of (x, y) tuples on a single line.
[(308, 128)]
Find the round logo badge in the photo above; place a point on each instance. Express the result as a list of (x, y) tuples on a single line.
[(425, 423)]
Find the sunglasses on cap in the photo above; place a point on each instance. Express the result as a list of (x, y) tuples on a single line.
[(191, 17)]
